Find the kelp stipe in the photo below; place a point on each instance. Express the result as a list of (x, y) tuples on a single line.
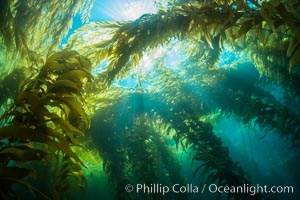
[(48, 118), (197, 137)]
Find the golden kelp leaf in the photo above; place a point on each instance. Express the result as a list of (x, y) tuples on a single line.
[(31, 102), (56, 68), (52, 67), (265, 10), (245, 27), (261, 35), (23, 134), (208, 39), (288, 19), (63, 144), (63, 61), (55, 104), (23, 153), (72, 64), (68, 129), (191, 25), (85, 62), (64, 125), (64, 85), (76, 75), (56, 136), (23, 98), (72, 169), (76, 108), (79, 174), (54, 100), (64, 54), (269, 33)]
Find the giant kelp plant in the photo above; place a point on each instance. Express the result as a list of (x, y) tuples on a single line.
[(46, 125)]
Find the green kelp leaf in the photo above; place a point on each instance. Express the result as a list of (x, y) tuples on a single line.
[(23, 153), (293, 44), (197, 169), (295, 59), (12, 173), (72, 169), (63, 187)]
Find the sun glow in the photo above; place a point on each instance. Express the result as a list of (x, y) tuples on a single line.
[(122, 10)]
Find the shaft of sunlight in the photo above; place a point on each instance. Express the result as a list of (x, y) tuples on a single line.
[(122, 10)]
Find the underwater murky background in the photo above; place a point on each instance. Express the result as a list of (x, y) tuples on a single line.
[(135, 123)]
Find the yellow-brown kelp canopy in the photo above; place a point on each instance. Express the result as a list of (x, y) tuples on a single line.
[(30, 30), (270, 24)]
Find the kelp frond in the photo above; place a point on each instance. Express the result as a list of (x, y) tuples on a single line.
[(48, 114), (211, 23), (30, 30)]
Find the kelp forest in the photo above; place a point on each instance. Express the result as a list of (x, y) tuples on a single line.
[(191, 96)]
